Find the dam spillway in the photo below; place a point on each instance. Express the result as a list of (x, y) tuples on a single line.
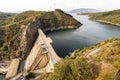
[(41, 59), (42, 52)]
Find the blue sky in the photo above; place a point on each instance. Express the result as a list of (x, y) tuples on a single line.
[(22, 5)]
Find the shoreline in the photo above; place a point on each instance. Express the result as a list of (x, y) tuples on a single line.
[(108, 22), (60, 28)]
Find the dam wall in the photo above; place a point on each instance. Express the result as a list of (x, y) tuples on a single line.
[(42, 54)]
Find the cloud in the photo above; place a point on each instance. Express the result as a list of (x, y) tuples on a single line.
[(22, 5)]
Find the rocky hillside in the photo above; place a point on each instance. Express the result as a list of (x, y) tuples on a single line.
[(111, 17), (99, 62), (19, 32)]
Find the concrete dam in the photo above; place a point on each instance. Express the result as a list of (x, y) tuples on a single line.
[(42, 54), (41, 59)]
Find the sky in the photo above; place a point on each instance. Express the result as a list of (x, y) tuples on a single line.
[(23, 5)]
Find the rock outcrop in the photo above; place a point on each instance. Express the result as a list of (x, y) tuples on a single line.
[(13, 69), (29, 36), (4, 65)]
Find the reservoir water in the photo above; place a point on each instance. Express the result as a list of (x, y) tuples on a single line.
[(90, 33)]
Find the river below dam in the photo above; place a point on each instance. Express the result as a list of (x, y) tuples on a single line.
[(90, 33)]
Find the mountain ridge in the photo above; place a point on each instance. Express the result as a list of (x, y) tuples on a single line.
[(109, 17), (84, 10)]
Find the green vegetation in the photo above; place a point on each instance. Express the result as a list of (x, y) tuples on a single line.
[(103, 65), (51, 19), (112, 17), (9, 40), (73, 69), (29, 76), (2, 22), (25, 15), (4, 17), (11, 30)]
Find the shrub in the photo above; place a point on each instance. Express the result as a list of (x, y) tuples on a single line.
[(72, 69)]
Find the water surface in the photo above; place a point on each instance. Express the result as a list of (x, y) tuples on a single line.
[(2, 76), (90, 33)]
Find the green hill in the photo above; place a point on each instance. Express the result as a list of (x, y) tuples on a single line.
[(99, 62), (3, 16), (112, 17), (12, 31)]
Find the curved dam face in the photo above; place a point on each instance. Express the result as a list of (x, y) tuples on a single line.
[(42, 55), (41, 59)]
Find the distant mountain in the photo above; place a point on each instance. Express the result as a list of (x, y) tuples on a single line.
[(84, 10), (109, 17), (4, 15), (0, 12)]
